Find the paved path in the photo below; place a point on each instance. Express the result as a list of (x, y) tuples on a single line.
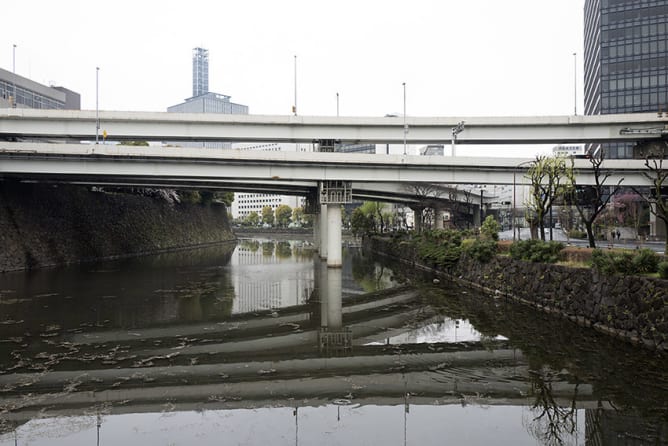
[(559, 235)]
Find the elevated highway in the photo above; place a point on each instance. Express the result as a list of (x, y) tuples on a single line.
[(296, 171), (160, 126)]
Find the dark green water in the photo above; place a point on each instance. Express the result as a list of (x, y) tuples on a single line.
[(226, 345)]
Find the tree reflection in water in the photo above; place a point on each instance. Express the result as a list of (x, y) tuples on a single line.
[(553, 423)]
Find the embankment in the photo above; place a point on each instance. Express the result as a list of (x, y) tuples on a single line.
[(634, 308), (46, 225)]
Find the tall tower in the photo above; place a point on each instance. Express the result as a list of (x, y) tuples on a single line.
[(200, 71), (626, 60)]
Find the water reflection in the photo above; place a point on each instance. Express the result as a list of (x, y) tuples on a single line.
[(315, 359)]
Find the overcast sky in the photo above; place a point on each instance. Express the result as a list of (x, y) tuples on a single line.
[(457, 58)]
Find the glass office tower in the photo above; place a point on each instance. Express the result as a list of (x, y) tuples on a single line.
[(626, 60)]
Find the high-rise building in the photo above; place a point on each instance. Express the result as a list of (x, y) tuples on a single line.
[(200, 71), (626, 60)]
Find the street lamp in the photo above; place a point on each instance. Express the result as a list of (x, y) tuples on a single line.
[(337, 104), (514, 214), (294, 107), (456, 131), (575, 84), (97, 105), (14, 72), (405, 125)]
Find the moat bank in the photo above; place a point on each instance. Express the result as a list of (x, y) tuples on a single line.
[(634, 308), (47, 225)]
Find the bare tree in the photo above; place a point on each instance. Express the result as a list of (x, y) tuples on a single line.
[(590, 201), (655, 153), (426, 194)]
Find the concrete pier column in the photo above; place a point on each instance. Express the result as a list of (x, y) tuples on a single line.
[(316, 231), (334, 251), (334, 313), (320, 270), (323, 231), (438, 217)]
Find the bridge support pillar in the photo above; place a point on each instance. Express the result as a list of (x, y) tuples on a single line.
[(438, 217), (316, 231), (334, 252), (324, 232), (332, 195), (334, 316)]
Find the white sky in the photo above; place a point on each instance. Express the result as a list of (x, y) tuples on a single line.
[(457, 57)]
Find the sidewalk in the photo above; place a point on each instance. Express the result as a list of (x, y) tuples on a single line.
[(559, 235)]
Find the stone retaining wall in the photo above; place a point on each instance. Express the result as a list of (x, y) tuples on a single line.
[(46, 225), (634, 308)]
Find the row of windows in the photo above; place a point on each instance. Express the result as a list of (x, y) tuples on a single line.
[(638, 101), (634, 49), (643, 31), (644, 82), (27, 97), (637, 65), (634, 13)]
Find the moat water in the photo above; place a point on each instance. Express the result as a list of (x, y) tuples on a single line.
[(259, 343)]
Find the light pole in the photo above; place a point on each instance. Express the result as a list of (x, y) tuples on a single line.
[(97, 105), (456, 131), (575, 84), (337, 104), (294, 108), (405, 125), (14, 72)]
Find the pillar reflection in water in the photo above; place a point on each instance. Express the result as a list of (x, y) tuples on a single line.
[(323, 231), (333, 337)]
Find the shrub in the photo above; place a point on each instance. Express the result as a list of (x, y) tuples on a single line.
[(482, 250), (439, 247), (490, 228), (625, 262), (536, 251), (663, 269), (574, 233), (646, 261)]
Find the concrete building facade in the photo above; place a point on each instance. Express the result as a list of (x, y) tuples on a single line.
[(20, 92)]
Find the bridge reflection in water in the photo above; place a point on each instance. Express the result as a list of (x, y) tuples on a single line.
[(357, 368)]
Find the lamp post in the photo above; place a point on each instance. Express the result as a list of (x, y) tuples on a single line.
[(14, 72), (405, 125), (294, 108), (337, 104), (575, 84), (456, 131), (97, 105)]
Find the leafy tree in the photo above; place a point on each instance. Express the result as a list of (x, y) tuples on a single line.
[(252, 219), (361, 223), (298, 215), (376, 211), (545, 175), (225, 197), (134, 143), (283, 213), (589, 201), (268, 215)]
